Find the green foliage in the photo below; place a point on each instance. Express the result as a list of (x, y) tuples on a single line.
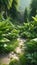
[(9, 8), (31, 58), (31, 52), (13, 9), (22, 59), (8, 34), (14, 62), (33, 9), (32, 45), (29, 30), (5, 4)]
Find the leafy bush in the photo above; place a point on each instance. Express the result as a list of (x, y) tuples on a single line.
[(8, 34), (31, 58), (31, 45), (29, 30), (31, 52)]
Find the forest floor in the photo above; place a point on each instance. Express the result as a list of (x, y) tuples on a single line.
[(5, 58)]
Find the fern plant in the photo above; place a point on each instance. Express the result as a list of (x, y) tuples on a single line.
[(8, 34), (29, 30)]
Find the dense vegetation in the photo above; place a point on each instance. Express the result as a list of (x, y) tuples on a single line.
[(10, 31), (28, 29), (8, 34), (30, 53)]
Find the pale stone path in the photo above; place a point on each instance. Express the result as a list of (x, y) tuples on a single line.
[(5, 59)]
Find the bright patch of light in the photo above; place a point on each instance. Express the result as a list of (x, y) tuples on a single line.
[(5, 45)]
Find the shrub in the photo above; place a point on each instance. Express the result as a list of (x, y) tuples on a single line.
[(29, 30), (8, 34), (31, 52), (31, 45)]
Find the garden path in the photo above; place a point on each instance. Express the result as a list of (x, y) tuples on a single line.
[(5, 59)]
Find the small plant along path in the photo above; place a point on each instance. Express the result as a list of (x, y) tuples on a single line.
[(5, 59)]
